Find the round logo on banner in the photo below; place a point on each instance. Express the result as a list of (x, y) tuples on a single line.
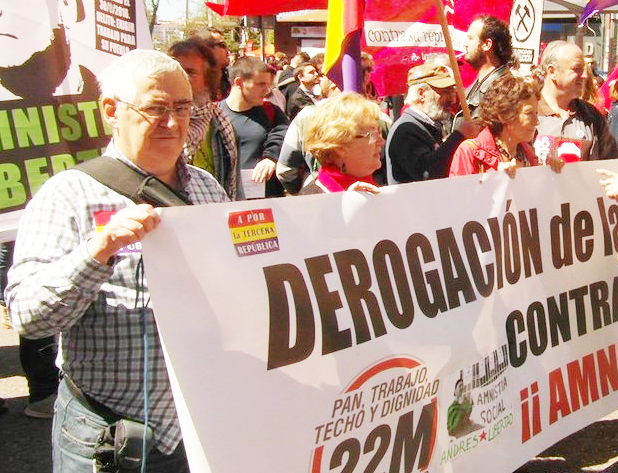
[(523, 18), (388, 403)]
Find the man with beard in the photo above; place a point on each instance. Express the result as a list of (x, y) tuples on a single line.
[(414, 148), (211, 142), (488, 51), (575, 126), (35, 63), (216, 40)]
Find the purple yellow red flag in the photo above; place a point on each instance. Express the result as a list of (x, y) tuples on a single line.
[(344, 32)]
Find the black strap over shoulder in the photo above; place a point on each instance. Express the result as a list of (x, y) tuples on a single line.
[(127, 181)]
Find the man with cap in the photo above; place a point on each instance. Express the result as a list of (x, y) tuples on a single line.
[(414, 148)]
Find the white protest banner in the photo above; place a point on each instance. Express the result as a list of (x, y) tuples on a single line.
[(429, 328), (50, 120)]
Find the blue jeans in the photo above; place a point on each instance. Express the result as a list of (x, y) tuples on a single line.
[(75, 431)]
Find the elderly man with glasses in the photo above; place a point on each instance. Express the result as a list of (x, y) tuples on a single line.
[(36, 61), (77, 270)]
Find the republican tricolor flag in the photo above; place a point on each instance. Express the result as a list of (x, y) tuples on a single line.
[(344, 32)]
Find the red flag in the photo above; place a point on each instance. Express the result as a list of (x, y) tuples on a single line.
[(264, 7), (399, 34)]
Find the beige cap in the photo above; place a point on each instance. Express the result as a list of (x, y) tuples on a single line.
[(436, 75)]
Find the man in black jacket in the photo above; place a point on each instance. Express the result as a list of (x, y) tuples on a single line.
[(414, 148), (308, 78), (287, 82)]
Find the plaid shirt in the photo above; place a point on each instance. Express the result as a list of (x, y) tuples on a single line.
[(56, 286)]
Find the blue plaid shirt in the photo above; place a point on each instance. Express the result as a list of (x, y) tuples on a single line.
[(56, 286)]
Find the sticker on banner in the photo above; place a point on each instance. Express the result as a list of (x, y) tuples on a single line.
[(394, 401), (569, 150), (480, 411), (253, 232)]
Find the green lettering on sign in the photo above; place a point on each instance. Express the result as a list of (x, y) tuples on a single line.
[(88, 109), (6, 137), (12, 191), (66, 114), (35, 172), (49, 117), (28, 127), (61, 162)]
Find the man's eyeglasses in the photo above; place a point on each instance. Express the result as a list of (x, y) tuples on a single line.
[(182, 110), (373, 136)]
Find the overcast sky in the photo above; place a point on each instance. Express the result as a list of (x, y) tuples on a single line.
[(174, 9)]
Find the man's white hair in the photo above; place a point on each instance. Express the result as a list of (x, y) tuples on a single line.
[(412, 98), (117, 81), (431, 105), (552, 55)]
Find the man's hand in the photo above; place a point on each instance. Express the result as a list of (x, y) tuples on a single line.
[(126, 227), (469, 128), (610, 183), (263, 170)]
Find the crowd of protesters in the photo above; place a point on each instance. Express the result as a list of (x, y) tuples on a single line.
[(243, 128)]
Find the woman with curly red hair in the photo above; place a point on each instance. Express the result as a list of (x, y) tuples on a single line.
[(509, 114)]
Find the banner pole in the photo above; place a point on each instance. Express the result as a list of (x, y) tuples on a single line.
[(461, 93)]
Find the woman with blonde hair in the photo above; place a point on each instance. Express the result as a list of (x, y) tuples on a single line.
[(344, 136)]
